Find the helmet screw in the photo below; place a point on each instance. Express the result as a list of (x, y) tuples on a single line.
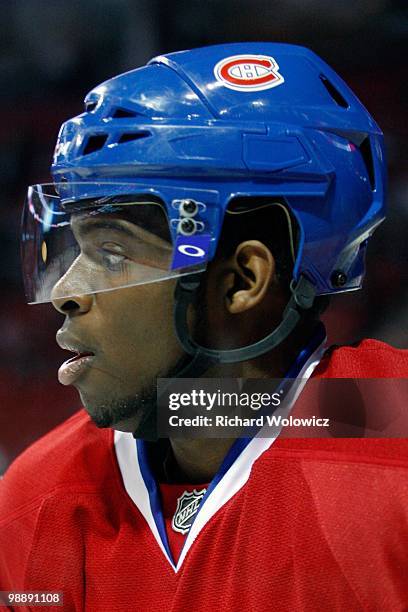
[(188, 208), (338, 278), (187, 227)]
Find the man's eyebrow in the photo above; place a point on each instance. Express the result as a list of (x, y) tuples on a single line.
[(88, 228)]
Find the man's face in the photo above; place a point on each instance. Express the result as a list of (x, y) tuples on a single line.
[(125, 337), (130, 332)]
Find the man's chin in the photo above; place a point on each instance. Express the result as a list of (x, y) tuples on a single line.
[(104, 416), (136, 415), (127, 425)]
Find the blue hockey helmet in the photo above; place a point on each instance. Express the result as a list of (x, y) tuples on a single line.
[(192, 131)]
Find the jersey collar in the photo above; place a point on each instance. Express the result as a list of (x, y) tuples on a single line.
[(140, 482)]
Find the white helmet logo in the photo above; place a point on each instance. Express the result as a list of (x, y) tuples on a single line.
[(191, 250)]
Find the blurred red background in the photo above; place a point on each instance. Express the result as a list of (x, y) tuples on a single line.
[(52, 55)]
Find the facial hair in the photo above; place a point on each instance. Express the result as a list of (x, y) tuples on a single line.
[(119, 409), (141, 407)]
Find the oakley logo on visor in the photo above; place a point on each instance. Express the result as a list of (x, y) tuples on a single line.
[(248, 72), (190, 251)]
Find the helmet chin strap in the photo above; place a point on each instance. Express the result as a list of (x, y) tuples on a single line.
[(199, 359), (302, 299)]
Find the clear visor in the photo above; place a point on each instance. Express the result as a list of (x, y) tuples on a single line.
[(78, 246)]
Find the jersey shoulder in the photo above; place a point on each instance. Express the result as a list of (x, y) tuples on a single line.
[(65, 458), (365, 359)]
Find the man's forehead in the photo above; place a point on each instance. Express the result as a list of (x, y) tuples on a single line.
[(87, 222), (83, 224)]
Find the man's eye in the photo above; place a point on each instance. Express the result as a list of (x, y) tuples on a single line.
[(112, 261)]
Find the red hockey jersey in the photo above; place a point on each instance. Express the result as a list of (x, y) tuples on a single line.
[(287, 525)]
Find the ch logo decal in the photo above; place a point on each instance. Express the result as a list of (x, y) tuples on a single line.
[(248, 72)]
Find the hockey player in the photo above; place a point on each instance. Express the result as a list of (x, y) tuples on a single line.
[(203, 208)]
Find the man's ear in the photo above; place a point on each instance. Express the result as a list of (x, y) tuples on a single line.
[(251, 274)]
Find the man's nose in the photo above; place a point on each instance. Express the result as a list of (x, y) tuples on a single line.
[(72, 294), (79, 304)]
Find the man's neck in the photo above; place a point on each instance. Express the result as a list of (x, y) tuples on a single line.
[(197, 461), (200, 459)]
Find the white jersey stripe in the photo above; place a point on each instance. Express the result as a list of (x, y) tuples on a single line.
[(231, 482)]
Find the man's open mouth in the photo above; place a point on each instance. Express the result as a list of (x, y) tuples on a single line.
[(80, 355), (74, 367)]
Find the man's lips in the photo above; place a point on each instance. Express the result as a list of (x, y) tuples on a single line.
[(76, 365), (69, 342)]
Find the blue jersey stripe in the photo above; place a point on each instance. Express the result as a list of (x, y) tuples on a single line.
[(234, 452)]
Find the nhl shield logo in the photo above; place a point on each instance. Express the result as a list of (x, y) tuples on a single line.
[(187, 508)]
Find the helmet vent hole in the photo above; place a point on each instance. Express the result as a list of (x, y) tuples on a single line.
[(367, 155), (129, 136), (333, 92), (90, 106), (123, 113), (94, 143)]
